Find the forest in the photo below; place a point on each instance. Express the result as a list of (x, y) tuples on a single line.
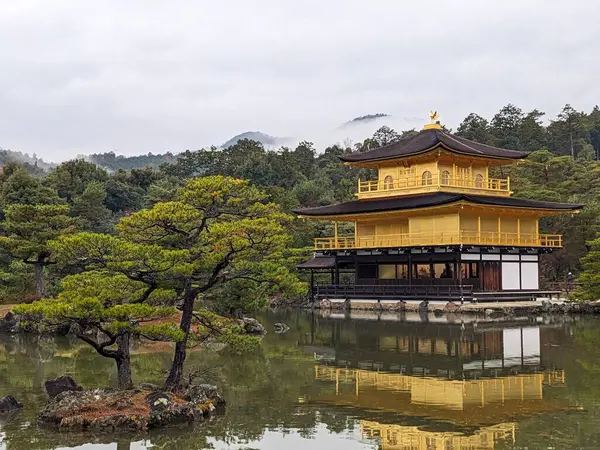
[(40, 204)]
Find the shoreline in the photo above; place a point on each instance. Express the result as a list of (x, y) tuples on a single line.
[(439, 307)]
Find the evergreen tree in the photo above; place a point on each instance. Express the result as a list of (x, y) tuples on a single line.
[(71, 178), (29, 229), (475, 128), (590, 278), (90, 211), (104, 310), (24, 189), (218, 231)]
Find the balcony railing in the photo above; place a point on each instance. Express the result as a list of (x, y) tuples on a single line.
[(443, 238), (433, 182)]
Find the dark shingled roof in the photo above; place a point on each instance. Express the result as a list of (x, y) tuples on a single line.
[(318, 262), (429, 139), (426, 200)]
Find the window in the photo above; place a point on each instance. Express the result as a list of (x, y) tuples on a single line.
[(443, 270), (388, 182), (421, 271), (470, 270), (479, 181), (445, 178), (387, 271), (427, 179), (393, 271), (402, 271), (367, 271)]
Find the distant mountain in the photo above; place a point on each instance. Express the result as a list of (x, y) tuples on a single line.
[(365, 119), (263, 138)]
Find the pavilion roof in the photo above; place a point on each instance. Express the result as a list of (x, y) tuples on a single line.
[(318, 262), (431, 139), (407, 202)]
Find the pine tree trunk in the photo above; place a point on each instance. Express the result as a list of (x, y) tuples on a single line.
[(173, 381), (123, 361), (40, 284), (572, 147)]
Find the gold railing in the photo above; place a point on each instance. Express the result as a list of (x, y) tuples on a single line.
[(442, 238), (437, 181)]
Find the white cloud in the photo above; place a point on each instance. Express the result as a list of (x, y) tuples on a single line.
[(150, 75)]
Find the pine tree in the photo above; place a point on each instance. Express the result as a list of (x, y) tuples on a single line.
[(90, 210)]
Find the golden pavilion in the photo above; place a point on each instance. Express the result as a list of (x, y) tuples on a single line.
[(433, 225)]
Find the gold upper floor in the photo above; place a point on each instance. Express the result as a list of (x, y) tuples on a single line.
[(449, 225), (439, 171)]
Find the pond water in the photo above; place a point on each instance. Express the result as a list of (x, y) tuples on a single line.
[(367, 381)]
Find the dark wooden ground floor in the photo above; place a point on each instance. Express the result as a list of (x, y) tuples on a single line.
[(452, 273)]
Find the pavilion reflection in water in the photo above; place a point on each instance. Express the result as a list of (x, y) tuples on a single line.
[(436, 386)]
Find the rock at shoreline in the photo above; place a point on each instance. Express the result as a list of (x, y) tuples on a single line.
[(399, 306), (451, 307), (149, 387), (135, 409), (8, 324), (325, 304), (280, 328), (9, 404), (253, 326), (203, 393), (61, 384)]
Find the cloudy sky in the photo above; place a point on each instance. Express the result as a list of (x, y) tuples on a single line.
[(136, 76)]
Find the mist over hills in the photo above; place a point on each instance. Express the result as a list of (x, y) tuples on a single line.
[(10, 156), (346, 134), (364, 119), (263, 138)]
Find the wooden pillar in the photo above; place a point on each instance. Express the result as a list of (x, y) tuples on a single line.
[(356, 235), (479, 229), (335, 234), (482, 393), (355, 269), (312, 285), (460, 282), (410, 275), (518, 230), (454, 174), (499, 229)]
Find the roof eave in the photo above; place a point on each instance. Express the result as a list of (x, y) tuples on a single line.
[(575, 209), (431, 149)]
